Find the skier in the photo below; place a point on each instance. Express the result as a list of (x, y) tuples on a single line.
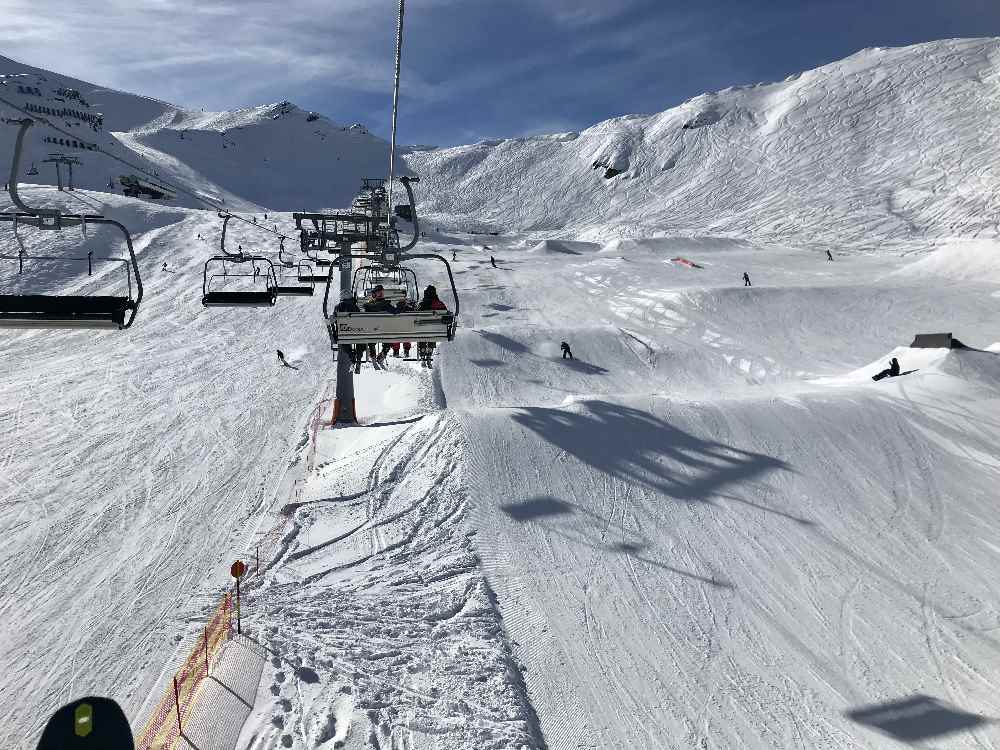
[(566, 351), (493, 261), (164, 265), (281, 358), (828, 256), (254, 219), (746, 279), (454, 256), (430, 301), (890, 372)]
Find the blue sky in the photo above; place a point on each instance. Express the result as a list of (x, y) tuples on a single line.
[(472, 69)]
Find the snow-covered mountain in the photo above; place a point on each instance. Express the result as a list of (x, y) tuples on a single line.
[(887, 145), (274, 156)]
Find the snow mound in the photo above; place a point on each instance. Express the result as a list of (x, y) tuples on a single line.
[(962, 260), (565, 247)]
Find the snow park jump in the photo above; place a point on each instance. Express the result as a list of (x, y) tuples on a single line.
[(291, 459)]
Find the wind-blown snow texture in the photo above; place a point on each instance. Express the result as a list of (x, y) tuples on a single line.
[(888, 145), (711, 529)]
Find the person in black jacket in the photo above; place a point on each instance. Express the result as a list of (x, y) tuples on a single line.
[(377, 303), (566, 351), (890, 372), (348, 303)]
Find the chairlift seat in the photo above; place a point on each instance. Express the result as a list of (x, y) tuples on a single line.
[(240, 299), (307, 278), (374, 328), (295, 291), (67, 311)]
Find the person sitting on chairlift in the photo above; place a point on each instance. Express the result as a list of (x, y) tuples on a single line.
[(348, 303), (377, 303), (430, 301)]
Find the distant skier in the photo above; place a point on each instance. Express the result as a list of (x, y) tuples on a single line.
[(164, 265), (454, 253), (746, 279), (254, 219), (828, 256), (281, 358), (265, 217), (566, 351), (493, 261), (890, 372)]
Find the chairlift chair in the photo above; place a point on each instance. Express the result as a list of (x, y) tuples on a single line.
[(115, 311), (32, 171), (418, 326), (256, 296), (306, 286)]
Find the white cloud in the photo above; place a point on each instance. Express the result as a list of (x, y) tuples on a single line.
[(216, 52)]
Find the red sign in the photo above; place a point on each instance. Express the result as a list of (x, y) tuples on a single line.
[(238, 569)]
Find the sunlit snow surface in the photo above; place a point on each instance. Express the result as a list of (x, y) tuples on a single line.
[(711, 529)]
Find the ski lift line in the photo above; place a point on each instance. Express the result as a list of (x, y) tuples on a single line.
[(96, 147), (395, 106)]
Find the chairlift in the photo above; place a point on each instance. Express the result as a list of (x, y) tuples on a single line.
[(305, 287), (398, 283), (385, 328), (65, 310), (222, 275), (32, 171)]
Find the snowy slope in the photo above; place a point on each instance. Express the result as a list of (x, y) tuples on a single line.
[(697, 539), (888, 145), (711, 529), (274, 156)]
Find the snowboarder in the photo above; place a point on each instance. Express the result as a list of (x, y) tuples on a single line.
[(566, 351), (281, 358), (493, 261), (746, 279), (828, 256), (890, 372), (430, 301)]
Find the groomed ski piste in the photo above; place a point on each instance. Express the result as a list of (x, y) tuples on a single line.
[(710, 529)]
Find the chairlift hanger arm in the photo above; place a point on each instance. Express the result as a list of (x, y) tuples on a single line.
[(15, 171), (451, 278), (413, 213)]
